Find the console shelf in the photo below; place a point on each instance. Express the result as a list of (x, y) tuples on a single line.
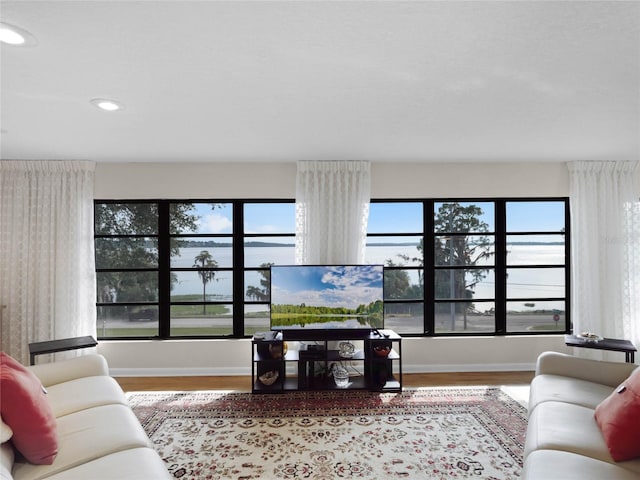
[(285, 364)]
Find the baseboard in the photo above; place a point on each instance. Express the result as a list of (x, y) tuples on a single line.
[(179, 372), (471, 367), (246, 371)]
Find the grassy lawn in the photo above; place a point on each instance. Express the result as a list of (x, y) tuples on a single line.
[(198, 311), (150, 332), (195, 311), (188, 331)]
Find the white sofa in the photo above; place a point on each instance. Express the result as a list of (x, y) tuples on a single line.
[(99, 437), (563, 439)]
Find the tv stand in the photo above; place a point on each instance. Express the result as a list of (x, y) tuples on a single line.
[(288, 362)]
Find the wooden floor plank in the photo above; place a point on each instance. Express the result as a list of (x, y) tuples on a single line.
[(243, 383)]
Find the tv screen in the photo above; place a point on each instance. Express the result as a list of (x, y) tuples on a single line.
[(326, 297)]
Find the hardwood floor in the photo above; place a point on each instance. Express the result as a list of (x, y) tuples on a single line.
[(243, 383)]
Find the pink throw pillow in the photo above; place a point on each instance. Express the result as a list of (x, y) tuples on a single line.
[(25, 408), (618, 417)]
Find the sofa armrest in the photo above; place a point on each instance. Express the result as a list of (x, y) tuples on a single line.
[(65, 370), (598, 371)]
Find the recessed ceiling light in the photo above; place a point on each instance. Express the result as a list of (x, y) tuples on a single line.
[(16, 36), (107, 104)]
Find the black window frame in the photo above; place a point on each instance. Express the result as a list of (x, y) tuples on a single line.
[(241, 261), (500, 267), (239, 237)]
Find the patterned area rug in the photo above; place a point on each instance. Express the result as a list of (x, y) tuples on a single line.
[(431, 433)]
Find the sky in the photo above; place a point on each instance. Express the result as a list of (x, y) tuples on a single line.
[(347, 286), (403, 217)]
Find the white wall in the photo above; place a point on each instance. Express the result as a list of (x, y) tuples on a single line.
[(277, 180)]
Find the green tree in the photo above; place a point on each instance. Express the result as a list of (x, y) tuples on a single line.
[(418, 259), (204, 262), (462, 244), (131, 229), (129, 242), (396, 282), (253, 292), (261, 293)]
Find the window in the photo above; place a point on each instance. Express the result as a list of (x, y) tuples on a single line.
[(395, 239), (472, 266), (464, 267), (127, 268), (200, 269), (536, 266), (269, 239), (184, 269)]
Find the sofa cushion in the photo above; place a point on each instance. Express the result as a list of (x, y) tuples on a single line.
[(133, 464), (87, 435), (83, 393), (547, 387), (6, 461), (596, 371), (566, 427), (5, 431), (557, 465), (569, 428), (26, 409), (61, 371), (618, 417)]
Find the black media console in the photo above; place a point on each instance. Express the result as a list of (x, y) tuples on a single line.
[(286, 363)]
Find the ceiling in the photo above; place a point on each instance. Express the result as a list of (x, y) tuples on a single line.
[(206, 81)]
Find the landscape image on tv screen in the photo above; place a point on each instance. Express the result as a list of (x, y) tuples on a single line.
[(327, 297)]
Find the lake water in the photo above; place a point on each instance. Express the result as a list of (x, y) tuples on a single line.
[(522, 282), (310, 322), (190, 282), (255, 256)]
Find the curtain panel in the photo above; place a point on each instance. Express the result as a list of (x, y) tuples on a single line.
[(47, 273), (332, 211), (605, 222)]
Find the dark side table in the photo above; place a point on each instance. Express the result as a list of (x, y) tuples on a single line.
[(610, 344), (64, 344)]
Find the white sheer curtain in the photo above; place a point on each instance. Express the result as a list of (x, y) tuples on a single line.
[(47, 274), (332, 211), (605, 221)]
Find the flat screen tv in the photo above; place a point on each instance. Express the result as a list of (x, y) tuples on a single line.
[(308, 299)]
